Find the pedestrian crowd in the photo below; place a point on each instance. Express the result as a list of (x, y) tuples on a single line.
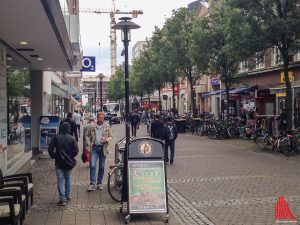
[(97, 135)]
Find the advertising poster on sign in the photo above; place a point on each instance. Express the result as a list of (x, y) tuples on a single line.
[(147, 188), (48, 129)]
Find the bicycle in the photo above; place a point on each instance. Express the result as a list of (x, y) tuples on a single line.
[(115, 175), (264, 140), (115, 181)]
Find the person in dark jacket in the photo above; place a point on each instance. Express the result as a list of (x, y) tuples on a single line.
[(73, 126), (63, 148), (157, 128), (135, 122), (170, 135)]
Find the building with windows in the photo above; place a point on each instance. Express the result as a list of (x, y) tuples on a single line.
[(138, 48), (36, 50), (90, 88)]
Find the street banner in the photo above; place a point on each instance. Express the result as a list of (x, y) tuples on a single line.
[(147, 188), (48, 129)]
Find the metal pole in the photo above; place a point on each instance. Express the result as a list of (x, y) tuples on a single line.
[(220, 106), (125, 31), (95, 103), (101, 100), (293, 102)]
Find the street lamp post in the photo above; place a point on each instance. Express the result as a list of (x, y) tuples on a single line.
[(125, 25)]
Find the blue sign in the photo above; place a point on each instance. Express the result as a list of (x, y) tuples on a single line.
[(215, 81), (88, 64)]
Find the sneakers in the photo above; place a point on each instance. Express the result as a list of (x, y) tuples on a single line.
[(91, 187), (68, 199), (61, 203), (99, 186)]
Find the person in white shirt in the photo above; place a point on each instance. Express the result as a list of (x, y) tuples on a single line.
[(77, 119)]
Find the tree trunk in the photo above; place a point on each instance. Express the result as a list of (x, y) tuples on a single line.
[(227, 86), (288, 97), (192, 92), (159, 102), (148, 100), (173, 96), (192, 100)]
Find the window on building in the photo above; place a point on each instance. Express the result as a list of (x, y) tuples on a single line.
[(243, 66), (297, 56), (259, 61), (277, 57)]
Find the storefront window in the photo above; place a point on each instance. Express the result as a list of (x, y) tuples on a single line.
[(18, 109)]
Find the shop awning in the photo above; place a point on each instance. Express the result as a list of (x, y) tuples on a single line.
[(64, 90), (281, 88), (213, 93), (242, 90)]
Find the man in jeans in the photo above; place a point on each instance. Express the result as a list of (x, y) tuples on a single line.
[(170, 135), (97, 137), (63, 148)]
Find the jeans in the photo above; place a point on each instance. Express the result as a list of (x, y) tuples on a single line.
[(172, 149), (133, 129), (63, 183), (97, 152)]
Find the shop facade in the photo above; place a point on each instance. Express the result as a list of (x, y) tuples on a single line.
[(24, 58)]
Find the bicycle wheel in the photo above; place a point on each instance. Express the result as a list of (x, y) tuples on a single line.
[(261, 142), (114, 184), (286, 148)]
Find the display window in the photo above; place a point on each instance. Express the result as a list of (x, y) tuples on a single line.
[(18, 108)]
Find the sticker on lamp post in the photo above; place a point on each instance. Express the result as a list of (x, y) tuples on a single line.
[(88, 64)]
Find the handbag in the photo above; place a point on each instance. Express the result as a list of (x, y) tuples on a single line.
[(85, 156)]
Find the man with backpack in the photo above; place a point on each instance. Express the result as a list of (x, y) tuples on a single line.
[(64, 148), (170, 135)]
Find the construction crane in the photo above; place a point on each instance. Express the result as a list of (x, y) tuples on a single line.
[(113, 36)]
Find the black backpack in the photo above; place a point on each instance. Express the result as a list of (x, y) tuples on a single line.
[(170, 132)]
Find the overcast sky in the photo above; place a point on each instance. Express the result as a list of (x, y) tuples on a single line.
[(95, 28)]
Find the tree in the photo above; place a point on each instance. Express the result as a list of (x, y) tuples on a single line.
[(17, 82), (277, 23), (116, 85), (178, 37), (217, 33), (142, 75)]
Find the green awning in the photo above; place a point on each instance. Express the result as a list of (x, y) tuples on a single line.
[(68, 89)]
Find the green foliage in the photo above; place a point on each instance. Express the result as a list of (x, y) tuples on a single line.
[(17, 81), (142, 75), (277, 24), (116, 85)]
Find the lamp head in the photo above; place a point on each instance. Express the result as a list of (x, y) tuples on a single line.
[(125, 25)]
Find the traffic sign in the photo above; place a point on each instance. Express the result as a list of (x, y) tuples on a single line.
[(88, 64)]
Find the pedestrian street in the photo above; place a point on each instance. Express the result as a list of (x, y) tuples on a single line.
[(210, 182)]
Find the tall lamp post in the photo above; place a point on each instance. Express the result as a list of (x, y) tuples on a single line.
[(125, 25)]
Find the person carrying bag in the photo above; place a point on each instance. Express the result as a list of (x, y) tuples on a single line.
[(64, 148)]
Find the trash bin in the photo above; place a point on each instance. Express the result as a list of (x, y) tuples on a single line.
[(180, 124)]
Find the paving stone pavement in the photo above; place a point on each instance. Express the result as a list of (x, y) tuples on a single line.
[(211, 182)]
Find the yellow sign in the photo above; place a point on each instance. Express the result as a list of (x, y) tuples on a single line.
[(282, 80), (280, 94)]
